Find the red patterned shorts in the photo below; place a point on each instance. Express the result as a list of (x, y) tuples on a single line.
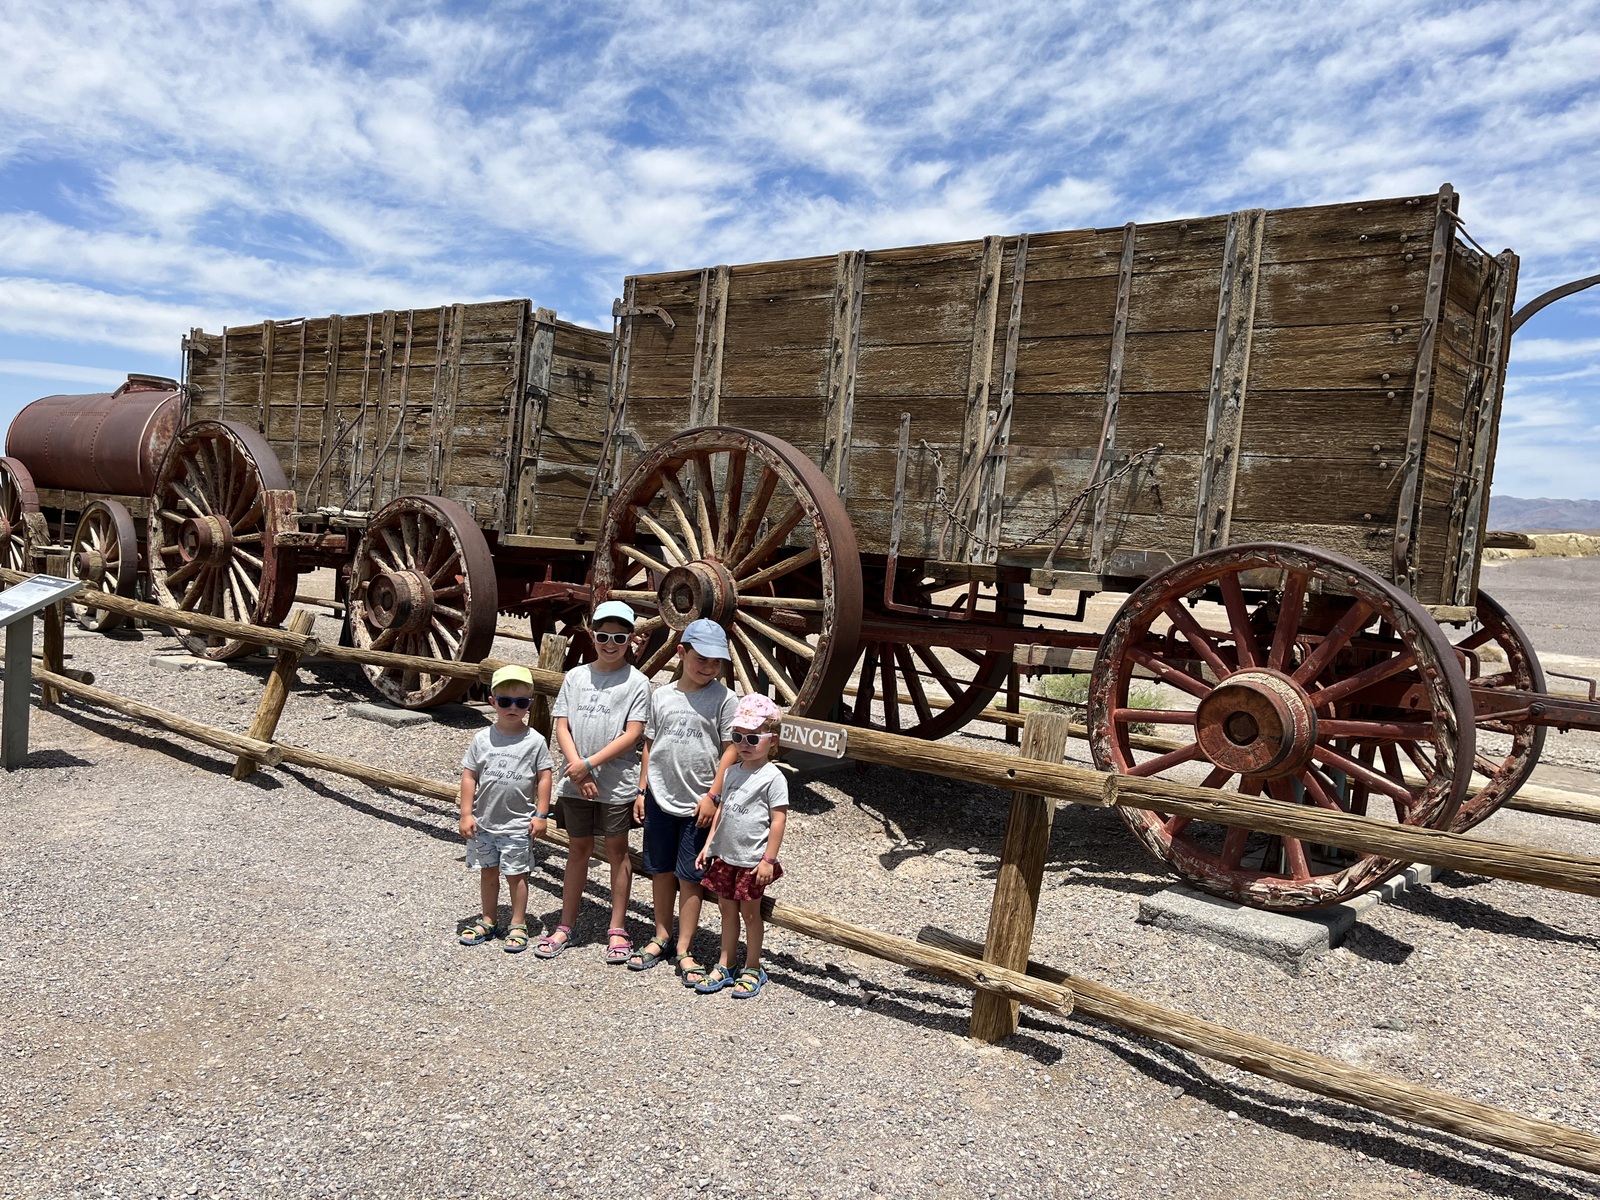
[(737, 883)]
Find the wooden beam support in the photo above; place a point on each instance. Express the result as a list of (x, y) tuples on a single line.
[(552, 658), (276, 692), (1108, 427), (1021, 875), (1430, 1107), (1485, 429), (840, 397), (54, 620)]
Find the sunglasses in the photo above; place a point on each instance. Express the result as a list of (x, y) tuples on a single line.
[(618, 639), (512, 701), (750, 739)]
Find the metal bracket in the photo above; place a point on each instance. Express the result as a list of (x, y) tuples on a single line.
[(618, 309)]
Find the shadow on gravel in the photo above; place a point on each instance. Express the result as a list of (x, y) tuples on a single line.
[(53, 759), (1467, 913), (1464, 1163), (430, 828), (1376, 946), (215, 762)]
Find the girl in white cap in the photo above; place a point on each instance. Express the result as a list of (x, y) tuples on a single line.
[(599, 714)]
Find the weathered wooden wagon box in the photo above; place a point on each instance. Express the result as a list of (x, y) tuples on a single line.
[(1098, 404), (498, 406)]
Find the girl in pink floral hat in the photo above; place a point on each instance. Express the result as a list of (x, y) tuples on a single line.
[(746, 834)]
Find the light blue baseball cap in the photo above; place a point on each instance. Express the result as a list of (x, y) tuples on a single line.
[(614, 610), (707, 637)]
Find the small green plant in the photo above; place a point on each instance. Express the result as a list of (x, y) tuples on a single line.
[(1074, 689)]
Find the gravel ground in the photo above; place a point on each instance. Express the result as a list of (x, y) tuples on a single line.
[(243, 989)]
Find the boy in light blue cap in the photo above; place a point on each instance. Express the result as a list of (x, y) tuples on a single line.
[(686, 750)]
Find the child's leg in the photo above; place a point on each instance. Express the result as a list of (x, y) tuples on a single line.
[(664, 890), (621, 877), (750, 910), (489, 892), (517, 886), (690, 897), (730, 930), (579, 852)]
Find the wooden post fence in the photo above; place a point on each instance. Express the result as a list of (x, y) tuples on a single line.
[(552, 658), (53, 620), (1016, 888), (276, 693)]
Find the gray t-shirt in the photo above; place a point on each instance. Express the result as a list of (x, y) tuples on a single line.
[(598, 706), (507, 766), (748, 798), (686, 732)]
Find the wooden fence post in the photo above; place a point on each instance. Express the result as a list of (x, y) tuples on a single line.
[(1016, 889), (54, 618), (276, 693), (552, 657)]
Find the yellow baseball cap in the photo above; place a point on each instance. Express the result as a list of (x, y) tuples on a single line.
[(511, 673)]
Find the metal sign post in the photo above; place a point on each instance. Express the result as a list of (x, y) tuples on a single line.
[(18, 604)]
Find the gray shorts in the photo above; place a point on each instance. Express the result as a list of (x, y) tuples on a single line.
[(589, 818), (512, 853)]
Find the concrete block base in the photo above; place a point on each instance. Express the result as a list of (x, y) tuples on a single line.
[(1289, 941), (394, 718)]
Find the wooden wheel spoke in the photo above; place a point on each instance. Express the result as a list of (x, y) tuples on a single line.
[(733, 491), (1171, 758), (1244, 638), (776, 535), (662, 655), (184, 572), (913, 678), (705, 504), (645, 560), (385, 638), (1474, 640), (1362, 680), (679, 504), (1337, 638), (396, 547), (1378, 782), (449, 565), (1170, 674), (1289, 608), (648, 626), (775, 635), (750, 519), (633, 596), (1233, 846), (780, 678), (793, 563), (891, 693), (861, 712), (669, 544), (743, 670), (1376, 731), (1197, 637), (938, 670), (1155, 716), (1319, 794)]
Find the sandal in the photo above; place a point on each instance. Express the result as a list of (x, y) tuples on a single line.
[(616, 955), (716, 979), (516, 939), (548, 947), (476, 933), (684, 973), (643, 960), (749, 984)]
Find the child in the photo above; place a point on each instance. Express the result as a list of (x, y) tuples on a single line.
[(599, 718), (746, 835), (503, 768), (687, 735)]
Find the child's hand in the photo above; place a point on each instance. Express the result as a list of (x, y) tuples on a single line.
[(537, 825), (700, 861), (763, 872), (469, 826), (705, 809), (588, 788), (638, 809)]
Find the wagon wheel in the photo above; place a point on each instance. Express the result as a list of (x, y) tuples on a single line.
[(940, 688), (209, 533), (105, 556), (423, 583), (21, 522), (568, 621), (1306, 677), (740, 527), (1505, 758)]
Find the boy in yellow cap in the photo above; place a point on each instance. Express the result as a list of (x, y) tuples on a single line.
[(504, 768)]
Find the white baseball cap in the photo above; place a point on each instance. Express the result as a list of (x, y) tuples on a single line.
[(614, 610)]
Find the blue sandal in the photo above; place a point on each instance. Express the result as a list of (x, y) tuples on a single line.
[(476, 933), (749, 984), (716, 979)]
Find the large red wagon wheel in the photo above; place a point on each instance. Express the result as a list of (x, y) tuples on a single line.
[(939, 688), (1507, 756), (20, 519), (740, 527), (105, 556), (210, 531), (1304, 676), (423, 583)]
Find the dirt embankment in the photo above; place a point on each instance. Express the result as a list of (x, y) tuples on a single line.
[(1551, 545)]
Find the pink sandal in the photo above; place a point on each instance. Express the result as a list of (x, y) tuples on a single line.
[(548, 947), (616, 955)]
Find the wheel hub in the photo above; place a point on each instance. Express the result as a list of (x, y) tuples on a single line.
[(399, 600), (698, 589), (1257, 722), (91, 566), (209, 539)]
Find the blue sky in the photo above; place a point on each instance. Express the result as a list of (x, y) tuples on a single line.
[(169, 165)]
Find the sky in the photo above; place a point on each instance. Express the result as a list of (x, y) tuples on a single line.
[(165, 166)]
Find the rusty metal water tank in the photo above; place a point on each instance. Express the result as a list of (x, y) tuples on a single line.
[(107, 442)]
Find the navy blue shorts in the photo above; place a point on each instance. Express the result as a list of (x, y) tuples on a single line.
[(671, 843)]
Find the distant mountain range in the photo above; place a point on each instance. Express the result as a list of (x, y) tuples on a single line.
[(1543, 515)]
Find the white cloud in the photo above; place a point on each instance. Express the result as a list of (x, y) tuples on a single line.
[(66, 372)]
